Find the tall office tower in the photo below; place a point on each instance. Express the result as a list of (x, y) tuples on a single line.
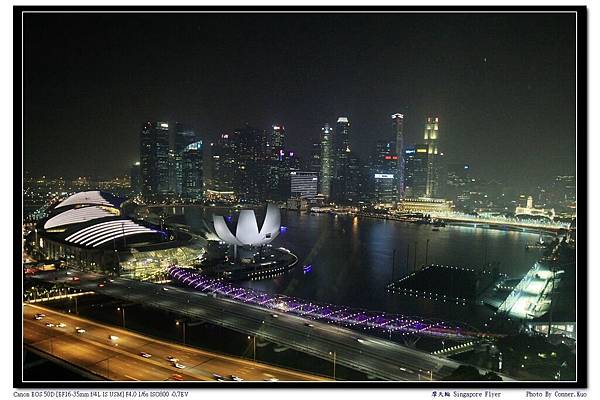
[(398, 126), (416, 162), (154, 160), (183, 137), (251, 152), (135, 178), (341, 152), (355, 182), (313, 163), (277, 168), (224, 164), (384, 188), (192, 171), (326, 169), (458, 180), (277, 138), (303, 184), (434, 165)]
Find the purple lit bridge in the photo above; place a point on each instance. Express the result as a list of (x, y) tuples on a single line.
[(352, 318)]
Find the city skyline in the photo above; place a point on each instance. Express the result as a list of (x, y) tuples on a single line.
[(485, 94)]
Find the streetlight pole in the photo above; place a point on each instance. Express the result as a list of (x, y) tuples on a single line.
[(122, 309), (253, 346), (334, 357)]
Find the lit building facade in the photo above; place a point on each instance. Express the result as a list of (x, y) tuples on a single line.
[(435, 184), (154, 159), (398, 128), (341, 153), (415, 171), (384, 177), (192, 171), (304, 184), (326, 158)]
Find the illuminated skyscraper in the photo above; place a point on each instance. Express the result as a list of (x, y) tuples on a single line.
[(224, 164), (434, 165), (303, 184), (192, 171), (398, 126), (326, 171), (277, 138), (341, 153), (183, 138), (415, 171), (154, 159), (384, 188)]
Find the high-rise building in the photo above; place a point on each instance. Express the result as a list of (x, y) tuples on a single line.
[(224, 164), (277, 138), (355, 181), (154, 160), (251, 181), (326, 169), (135, 178), (398, 127), (415, 171), (384, 170), (341, 152), (458, 180), (304, 184), (183, 138), (314, 161), (192, 171), (435, 182)]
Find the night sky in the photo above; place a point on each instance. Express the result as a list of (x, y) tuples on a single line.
[(503, 85)]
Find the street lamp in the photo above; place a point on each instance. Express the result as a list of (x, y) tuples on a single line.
[(122, 309), (253, 346), (334, 359)]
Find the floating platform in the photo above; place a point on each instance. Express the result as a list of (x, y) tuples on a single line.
[(444, 283)]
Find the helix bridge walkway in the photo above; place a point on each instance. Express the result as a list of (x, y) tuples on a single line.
[(378, 322)]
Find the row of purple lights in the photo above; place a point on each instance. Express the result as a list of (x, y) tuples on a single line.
[(353, 318)]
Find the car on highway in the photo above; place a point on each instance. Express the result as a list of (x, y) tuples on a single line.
[(165, 289), (111, 280), (79, 330), (61, 325), (145, 355), (113, 337), (179, 366), (272, 379), (50, 325), (218, 378), (274, 315), (75, 279), (39, 316), (172, 359), (177, 377), (235, 378), (360, 340), (101, 285), (309, 325)]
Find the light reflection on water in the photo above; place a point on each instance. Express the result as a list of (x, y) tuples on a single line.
[(352, 260)]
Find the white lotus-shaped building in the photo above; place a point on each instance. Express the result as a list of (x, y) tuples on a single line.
[(247, 232)]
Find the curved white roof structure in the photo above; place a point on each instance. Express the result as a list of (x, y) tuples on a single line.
[(247, 232), (89, 197), (95, 235), (77, 215)]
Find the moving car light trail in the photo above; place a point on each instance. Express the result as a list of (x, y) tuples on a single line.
[(353, 318)]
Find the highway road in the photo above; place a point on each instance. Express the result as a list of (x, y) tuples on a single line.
[(383, 359), (121, 359)]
